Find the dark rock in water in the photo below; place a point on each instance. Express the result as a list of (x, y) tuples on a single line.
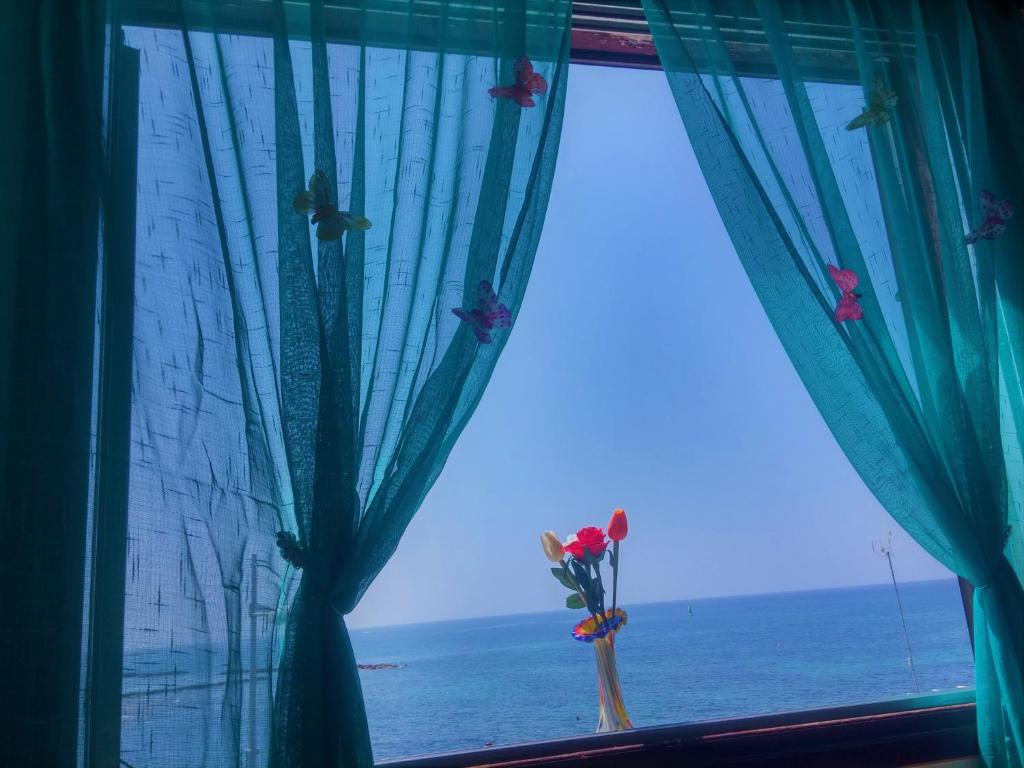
[(379, 666)]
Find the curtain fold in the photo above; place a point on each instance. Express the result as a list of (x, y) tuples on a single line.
[(923, 392), (302, 390), (51, 157)]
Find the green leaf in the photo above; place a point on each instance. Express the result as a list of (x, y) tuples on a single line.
[(612, 559), (574, 601), (564, 578)]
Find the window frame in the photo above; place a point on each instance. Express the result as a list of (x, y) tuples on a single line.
[(100, 729), (885, 733)]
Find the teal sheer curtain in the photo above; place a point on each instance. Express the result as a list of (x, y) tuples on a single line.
[(315, 388), (924, 393)]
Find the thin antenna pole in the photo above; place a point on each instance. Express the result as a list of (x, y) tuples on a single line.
[(903, 620)]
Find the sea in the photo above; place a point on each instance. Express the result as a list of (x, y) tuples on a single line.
[(467, 684)]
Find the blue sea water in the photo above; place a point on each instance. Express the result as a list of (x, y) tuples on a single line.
[(500, 680)]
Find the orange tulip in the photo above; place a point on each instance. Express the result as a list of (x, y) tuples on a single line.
[(618, 527)]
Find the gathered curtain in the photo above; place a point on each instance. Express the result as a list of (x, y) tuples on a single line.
[(301, 390), (51, 159), (923, 392)]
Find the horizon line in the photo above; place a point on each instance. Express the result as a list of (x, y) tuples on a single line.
[(951, 577)]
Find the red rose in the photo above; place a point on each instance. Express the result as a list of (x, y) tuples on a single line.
[(618, 526), (587, 539)]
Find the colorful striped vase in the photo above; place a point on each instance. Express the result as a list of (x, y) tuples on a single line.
[(612, 714)]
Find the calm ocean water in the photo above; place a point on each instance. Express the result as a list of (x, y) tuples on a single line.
[(500, 680)]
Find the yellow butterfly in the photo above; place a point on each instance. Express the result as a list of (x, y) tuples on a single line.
[(877, 112), (330, 222)]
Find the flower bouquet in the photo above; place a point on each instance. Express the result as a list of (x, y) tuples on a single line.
[(578, 569)]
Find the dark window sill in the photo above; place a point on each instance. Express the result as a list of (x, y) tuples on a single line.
[(880, 735)]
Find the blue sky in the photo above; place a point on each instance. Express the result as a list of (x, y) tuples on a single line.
[(641, 373)]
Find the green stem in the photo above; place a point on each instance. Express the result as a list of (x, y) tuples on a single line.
[(597, 575), (615, 577)]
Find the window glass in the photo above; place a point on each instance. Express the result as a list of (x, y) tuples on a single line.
[(642, 373)]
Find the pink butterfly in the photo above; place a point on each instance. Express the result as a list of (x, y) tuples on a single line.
[(996, 213), (528, 83), (489, 313), (847, 308)]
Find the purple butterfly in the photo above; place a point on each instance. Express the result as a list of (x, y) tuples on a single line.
[(489, 313), (996, 213), (847, 308)]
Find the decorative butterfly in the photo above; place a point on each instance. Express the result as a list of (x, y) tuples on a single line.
[(528, 83), (489, 313), (996, 213), (877, 111), (847, 308), (291, 551), (330, 222)]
